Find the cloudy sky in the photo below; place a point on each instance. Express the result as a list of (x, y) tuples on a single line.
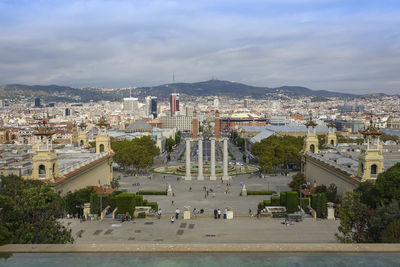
[(347, 46)]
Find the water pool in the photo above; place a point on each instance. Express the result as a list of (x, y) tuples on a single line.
[(200, 259)]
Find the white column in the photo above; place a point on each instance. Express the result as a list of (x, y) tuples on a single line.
[(213, 176), (225, 156), (200, 155), (188, 176)]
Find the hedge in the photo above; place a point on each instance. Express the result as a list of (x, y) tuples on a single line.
[(292, 201), (126, 203), (152, 192), (318, 203), (321, 205), (304, 203), (108, 200), (139, 200), (275, 201), (255, 193), (153, 205), (141, 215), (261, 206), (283, 199), (314, 200)]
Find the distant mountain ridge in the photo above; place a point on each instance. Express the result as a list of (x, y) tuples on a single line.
[(54, 93)]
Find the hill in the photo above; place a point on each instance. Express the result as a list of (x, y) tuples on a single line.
[(54, 93)]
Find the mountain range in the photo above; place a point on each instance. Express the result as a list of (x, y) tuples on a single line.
[(55, 93)]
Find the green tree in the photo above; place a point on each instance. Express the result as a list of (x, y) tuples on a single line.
[(369, 194), (392, 233), (383, 216), (388, 184), (278, 151), (169, 143), (297, 181), (321, 189), (331, 193), (30, 213), (178, 137), (77, 198), (353, 216)]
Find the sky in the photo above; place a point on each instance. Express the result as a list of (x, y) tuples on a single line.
[(344, 46)]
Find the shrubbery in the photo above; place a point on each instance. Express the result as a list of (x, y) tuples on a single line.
[(275, 201), (283, 199), (258, 193), (126, 203), (152, 192), (292, 201)]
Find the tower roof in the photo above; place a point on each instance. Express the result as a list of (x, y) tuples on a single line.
[(331, 125), (310, 123), (102, 123), (43, 130), (371, 130)]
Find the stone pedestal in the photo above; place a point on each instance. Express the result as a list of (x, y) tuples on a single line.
[(225, 175), (186, 213), (331, 211), (200, 155), (169, 191), (244, 191), (187, 154), (229, 214), (212, 175)]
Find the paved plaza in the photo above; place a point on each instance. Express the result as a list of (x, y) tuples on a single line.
[(225, 196), (204, 228)]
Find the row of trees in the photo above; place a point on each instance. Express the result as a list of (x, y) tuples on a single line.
[(372, 212), (29, 213), (137, 153), (278, 151)]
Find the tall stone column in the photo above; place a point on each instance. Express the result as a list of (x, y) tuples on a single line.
[(212, 175), (187, 154), (200, 165), (225, 157)]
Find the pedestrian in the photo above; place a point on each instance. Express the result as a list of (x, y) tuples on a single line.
[(215, 213), (225, 212), (213, 194), (172, 202), (159, 213), (195, 212), (177, 212), (190, 189), (219, 214), (249, 212), (205, 195), (172, 219), (207, 192)]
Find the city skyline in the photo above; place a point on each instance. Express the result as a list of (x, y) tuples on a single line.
[(343, 46)]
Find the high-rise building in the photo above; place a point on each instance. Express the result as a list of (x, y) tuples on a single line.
[(131, 104), (154, 106), (216, 102), (1, 103), (174, 104), (246, 103), (147, 106), (37, 102)]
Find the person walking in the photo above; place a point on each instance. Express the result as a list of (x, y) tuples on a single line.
[(172, 219), (225, 212), (215, 213), (219, 214), (159, 213), (177, 212)]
